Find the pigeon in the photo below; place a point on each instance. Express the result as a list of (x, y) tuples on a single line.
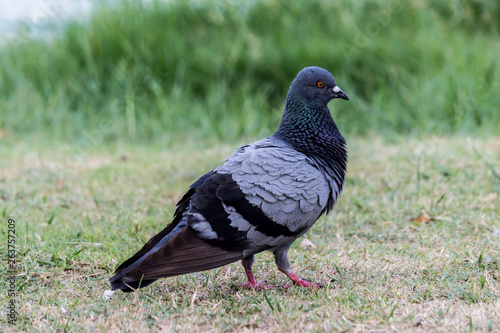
[(262, 197)]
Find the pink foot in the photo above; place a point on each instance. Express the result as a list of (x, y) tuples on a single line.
[(301, 283), (251, 284)]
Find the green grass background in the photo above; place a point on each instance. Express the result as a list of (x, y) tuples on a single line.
[(207, 69)]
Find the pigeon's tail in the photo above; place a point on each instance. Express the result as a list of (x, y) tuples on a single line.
[(183, 253), (117, 283), (150, 247)]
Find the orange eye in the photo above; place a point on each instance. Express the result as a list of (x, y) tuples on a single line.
[(319, 84)]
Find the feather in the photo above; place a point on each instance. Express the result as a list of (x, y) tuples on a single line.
[(184, 253)]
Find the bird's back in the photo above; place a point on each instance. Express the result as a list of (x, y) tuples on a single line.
[(281, 185)]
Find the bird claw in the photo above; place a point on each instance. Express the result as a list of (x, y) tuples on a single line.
[(306, 284), (299, 282)]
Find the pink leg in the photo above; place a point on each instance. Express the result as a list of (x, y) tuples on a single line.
[(298, 281), (251, 279)]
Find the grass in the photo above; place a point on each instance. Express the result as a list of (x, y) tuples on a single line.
[(79, 215), (222, 69)]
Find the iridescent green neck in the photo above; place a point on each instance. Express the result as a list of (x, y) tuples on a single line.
[(311, 130), (303, 118)]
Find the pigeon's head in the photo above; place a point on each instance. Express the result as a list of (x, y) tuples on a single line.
[(316, 85)]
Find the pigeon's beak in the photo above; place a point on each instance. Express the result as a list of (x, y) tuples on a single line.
[(338, 93)]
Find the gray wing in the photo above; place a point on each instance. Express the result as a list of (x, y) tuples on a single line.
[(268, 195)]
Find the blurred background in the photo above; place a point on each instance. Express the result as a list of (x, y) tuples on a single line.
[(220, 70)]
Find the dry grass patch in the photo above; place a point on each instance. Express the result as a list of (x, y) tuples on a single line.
[(386, 266)]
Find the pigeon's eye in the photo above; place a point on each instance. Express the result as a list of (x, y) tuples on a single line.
[(319, 84)]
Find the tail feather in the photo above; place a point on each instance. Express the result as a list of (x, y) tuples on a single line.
[(130, 286), (183, 253), (169, 231)]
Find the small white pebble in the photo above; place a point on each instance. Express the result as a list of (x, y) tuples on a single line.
[(496, 232), (307, 243), (108, 294)]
